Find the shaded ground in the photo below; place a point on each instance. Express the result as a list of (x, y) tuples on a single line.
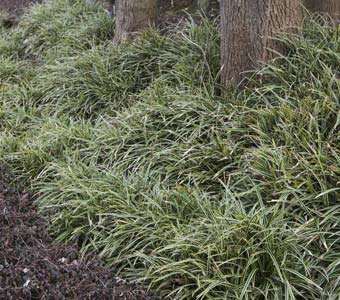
[(11, 9), (175, 15), (32, 266), (14, 6)]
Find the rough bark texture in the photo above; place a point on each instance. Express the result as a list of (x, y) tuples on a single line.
[(330, 7), (247, 28), (133, 16)]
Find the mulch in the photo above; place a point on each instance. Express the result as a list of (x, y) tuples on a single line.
[(33, 266)]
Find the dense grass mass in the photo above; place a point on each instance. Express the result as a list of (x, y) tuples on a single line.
[(137, 156)]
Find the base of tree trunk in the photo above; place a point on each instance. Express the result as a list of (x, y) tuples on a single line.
[(247, 29), (133, 16)]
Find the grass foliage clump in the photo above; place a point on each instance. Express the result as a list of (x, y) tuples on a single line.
[(51, 27), (137, 156), (187, 242)]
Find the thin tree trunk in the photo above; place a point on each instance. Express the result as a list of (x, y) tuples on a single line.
[(330, 7), (247, 27), (133, 16)]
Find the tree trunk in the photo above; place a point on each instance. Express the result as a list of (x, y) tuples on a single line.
[(133, 16), (330, 7), (247, 27)]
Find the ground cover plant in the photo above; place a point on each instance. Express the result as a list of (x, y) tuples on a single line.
[(137, 156)]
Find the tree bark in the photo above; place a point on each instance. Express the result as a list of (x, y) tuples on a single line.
[(247, 27), (133, 16), (330, 7)]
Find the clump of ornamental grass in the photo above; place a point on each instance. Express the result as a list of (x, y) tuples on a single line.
[(46, 140), (293, 119), (14, 72), (183, 134), (53, 26), (87, 81), (101, 78), (186, 242), (196, 49), (105, 79), (96, 80)]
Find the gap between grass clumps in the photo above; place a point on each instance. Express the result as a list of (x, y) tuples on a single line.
[(137, 156)]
